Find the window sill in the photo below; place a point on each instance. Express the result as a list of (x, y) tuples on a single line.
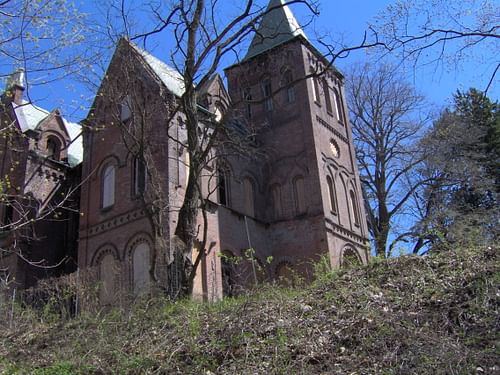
[(107, 208)]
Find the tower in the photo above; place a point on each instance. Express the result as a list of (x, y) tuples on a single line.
[(307, 190)]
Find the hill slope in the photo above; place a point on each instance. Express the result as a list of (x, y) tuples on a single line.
[(408, 315)]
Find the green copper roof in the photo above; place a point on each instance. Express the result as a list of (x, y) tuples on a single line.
[(276, 27)]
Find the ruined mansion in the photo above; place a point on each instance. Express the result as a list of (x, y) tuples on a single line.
[(290, 197)]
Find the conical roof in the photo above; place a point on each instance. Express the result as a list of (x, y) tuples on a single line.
[(276, 27)]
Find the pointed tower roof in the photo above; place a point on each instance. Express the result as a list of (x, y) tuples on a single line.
[(276, 27)]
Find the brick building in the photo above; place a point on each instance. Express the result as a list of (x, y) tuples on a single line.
[(39, 167), (300, 200)]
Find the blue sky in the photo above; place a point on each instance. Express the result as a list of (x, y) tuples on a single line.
[(338, 21)]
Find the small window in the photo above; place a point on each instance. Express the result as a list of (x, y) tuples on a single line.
[(139, 176), (267, 92), (328, 100), (53, 148), (290, 90), (331, 194), (108, 186)]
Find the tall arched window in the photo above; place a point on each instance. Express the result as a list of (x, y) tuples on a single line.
[(290, 90), (354, 207), (108, 186), (247, 97), (249, 197), (53, 148), (141, 263), (223, 186), (338, 106), (315, 86), (139, 176), (331, 194), (276, 195), (267, 92), (299, 195), (328, 99)]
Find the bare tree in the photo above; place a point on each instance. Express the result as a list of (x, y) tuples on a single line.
[(387, 117), (443, 33)]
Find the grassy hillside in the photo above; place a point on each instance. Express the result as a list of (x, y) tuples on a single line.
[(432, 315)]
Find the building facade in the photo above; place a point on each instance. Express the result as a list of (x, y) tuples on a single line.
[(270, 212), (268, 216), (40, 155)]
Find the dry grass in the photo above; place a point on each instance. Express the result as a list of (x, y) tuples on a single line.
[(408, 315)]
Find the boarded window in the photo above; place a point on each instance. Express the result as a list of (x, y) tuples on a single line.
[(107, 274), (141, 264), (298, 190), (276, 196), (248, 194), (108, 186)]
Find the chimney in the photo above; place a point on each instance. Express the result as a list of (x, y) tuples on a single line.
[(16, 85)]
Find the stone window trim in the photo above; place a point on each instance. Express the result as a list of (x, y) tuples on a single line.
[(54, 147), (102, 251)]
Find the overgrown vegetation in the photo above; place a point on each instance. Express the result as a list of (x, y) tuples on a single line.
[(409, 315)]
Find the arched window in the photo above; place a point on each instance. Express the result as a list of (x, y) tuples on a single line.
[(354, 207), (249, 197), (126, 109), (328, 99), (299, 195), (223, 186), (290, 90), (53, 148), (108, 186), (247, 98), (139, 176), (331, 194), (141, 263), (315, 86), (339, 112), (276, 196), (107, 275), (350, 258), (267, 92)]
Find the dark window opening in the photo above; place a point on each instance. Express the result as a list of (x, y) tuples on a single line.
[(53, 148), (328, 100), (139, 176), (267, 92)]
